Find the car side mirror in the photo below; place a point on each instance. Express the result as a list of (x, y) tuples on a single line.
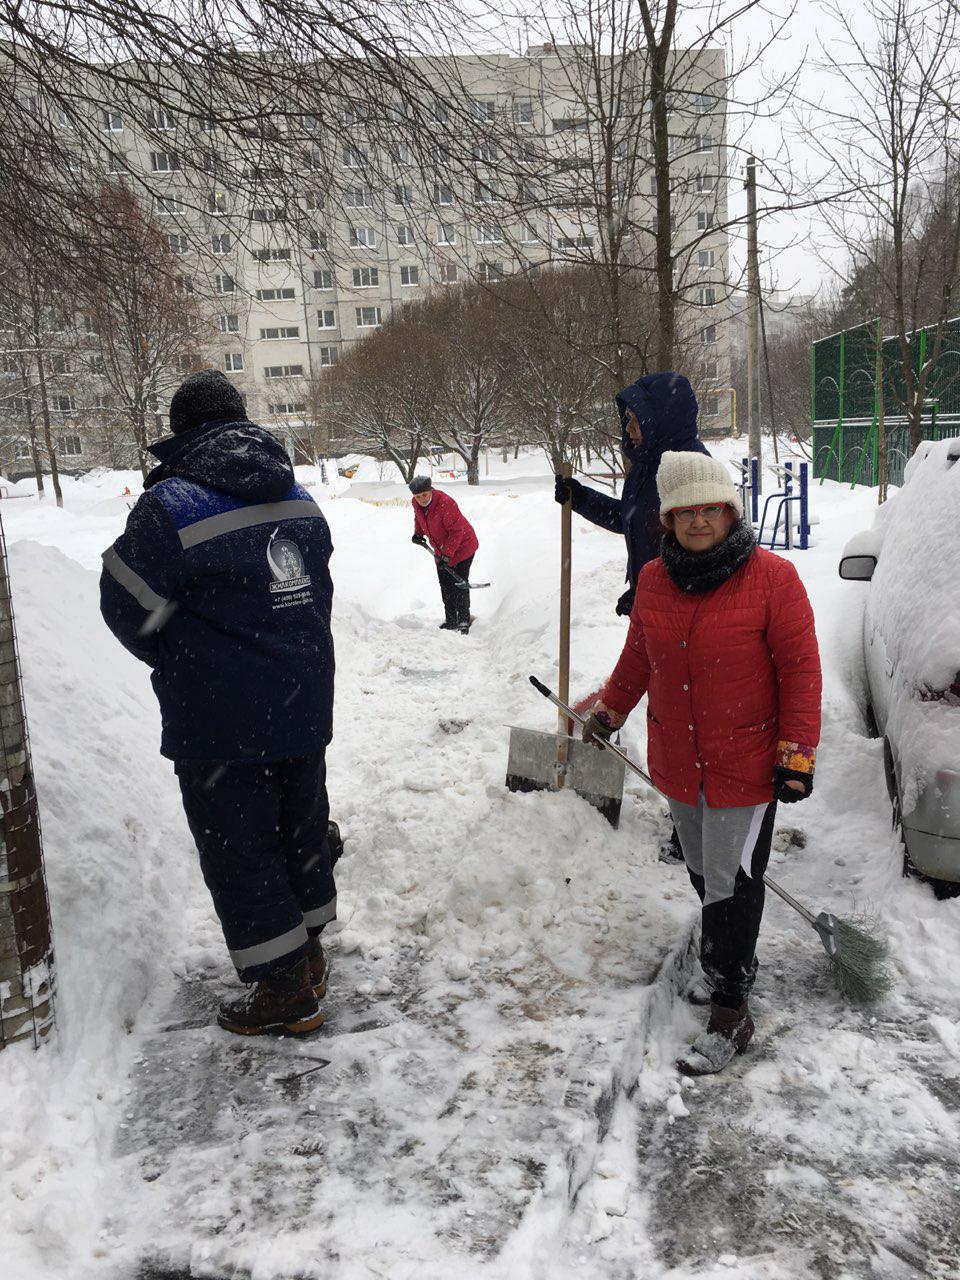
[(857, 568)]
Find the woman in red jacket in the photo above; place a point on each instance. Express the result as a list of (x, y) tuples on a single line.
[(722, 641), (438, 519)]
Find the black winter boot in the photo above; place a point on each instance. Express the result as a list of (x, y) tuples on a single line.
[(728, 1033), (280, 1004), (319, 968)]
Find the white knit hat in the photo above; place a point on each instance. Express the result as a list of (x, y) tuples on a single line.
[(689, 479)]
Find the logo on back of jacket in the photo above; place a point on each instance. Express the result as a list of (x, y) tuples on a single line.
[(291, 582)]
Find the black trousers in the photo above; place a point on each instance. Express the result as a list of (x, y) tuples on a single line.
[(456, 601), (261, 832)]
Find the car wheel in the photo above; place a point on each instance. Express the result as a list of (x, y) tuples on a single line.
[(943, 889)]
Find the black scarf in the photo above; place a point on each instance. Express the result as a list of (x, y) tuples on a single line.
[(700, 571)]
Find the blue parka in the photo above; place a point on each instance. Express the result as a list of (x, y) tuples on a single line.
[(666, 409), (221, 583)]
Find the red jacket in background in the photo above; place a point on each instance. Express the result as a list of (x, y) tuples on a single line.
[(449, 531), (733, 678)]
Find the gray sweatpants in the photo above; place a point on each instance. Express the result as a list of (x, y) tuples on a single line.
[(726, 852)]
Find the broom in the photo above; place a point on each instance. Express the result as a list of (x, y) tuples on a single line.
[(857, 954)]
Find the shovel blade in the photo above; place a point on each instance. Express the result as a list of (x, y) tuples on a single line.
[(596, 776)]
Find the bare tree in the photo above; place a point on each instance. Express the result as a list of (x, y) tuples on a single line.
[(897, 137), (148, 327)]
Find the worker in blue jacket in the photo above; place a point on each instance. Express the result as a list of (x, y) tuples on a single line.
[(657, 413), (221, 584)]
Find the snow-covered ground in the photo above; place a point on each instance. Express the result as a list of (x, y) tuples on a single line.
[(494, 1094)]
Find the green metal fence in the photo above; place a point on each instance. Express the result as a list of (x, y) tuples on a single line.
[(846, 400)]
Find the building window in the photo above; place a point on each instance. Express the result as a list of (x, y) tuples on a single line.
[(170, 205), (206, 124), (233, 362), (274, 333), (528, 234), (708, 334), (328, 356), (59, 364), (323, 279), (357, 198), (703, 104), (706, 182), (327, 319), (355, 113), (403, 194), (229, 324), (354, 157), (309, 123), (366, 277), (262, 214), (574, 242), (223, 284), (276, 295), (69, 446), (160, 119), (217, 202), (283, 371), (405, 235), (186, 284), (706, 258), (484, 194), (564, 124), (449, 273), (363, 237), (704, 142), (368, 317), (410, 275), (220, 243), (62, 404), (490, 272), (446, 233), (21, 449), (113, 121), (709, 369), (178, 244), (287, 408), (115, 162), (318, 241), (704, 221), (486, 153), (442, 194), (522, 111), (488, 233), (708, 297), (272, 255), (164, 161), (483, 109)]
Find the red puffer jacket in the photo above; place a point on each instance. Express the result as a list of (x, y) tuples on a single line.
[(448, 529), (733, 677)]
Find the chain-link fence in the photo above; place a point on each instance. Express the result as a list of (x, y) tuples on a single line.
[(846, 403)]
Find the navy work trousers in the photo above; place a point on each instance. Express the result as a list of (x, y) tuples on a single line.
[(261, 831)]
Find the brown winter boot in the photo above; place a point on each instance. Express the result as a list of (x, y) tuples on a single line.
[(319, 968), (280, 1004), (728, 1033)]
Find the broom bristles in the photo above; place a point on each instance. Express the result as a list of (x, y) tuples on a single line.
[(860, 963)]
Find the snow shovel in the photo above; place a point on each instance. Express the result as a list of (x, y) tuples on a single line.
[(856, 956), (553, 762), (457, 580)]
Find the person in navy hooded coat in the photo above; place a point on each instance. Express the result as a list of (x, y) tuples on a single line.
[(657, 413), (221, 584)]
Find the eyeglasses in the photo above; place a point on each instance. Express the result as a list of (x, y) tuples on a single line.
[(712, 511)]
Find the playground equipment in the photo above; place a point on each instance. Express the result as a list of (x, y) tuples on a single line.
[(784, 498)]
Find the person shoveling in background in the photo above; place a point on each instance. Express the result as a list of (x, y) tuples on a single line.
[(657, 412), (438, 520), (722, 640)]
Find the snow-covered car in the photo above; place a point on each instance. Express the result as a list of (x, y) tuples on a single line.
[(911, 654)]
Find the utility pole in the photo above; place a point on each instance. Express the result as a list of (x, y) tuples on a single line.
[(753, 320)]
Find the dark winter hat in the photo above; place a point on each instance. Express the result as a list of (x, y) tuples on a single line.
[(421, 484), (206, 396)]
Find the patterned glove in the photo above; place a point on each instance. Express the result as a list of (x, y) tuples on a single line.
[(599, 725), (789, 795)]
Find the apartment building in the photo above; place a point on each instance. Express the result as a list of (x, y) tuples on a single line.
[(288, 296)]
